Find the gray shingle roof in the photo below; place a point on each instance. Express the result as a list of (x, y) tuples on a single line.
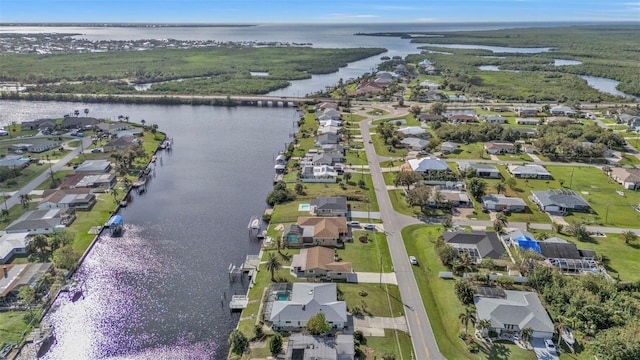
[(518, 308), (309, 299), (330, 203), (486, 242), (565, 198)]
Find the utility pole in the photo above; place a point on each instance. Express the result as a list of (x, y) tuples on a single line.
[(606, 215), (571, 179), (380, 270)]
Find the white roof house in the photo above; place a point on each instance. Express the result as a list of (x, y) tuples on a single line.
[(12, 244), (305, 301), (514, 311), (412, 130), (428, 164)]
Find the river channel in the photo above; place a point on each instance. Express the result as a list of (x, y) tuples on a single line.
[(156, 292)]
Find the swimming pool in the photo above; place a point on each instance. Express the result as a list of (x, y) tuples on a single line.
[(304, 207), (282, 296)]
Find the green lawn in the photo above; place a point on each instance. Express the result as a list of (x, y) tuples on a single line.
[(380, 301), (515, 158), (12, 324), (376, 347), (389, 177), (356, 157), (623, 258), (384, 150), (599, 191), (365, 257), (468, 152), (377, 112), (438, 295), (399, 202)]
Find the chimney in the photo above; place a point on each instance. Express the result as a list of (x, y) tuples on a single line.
[(5, 271)]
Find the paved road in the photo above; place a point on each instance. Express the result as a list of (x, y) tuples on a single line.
[(424, 342), (15, 198)]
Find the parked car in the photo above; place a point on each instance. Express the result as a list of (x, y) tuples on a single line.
[(548, 343), (96, 150), (413, 260), (369, 227), (354, 223)]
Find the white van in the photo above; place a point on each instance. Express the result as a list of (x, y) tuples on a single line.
[(354, 223)]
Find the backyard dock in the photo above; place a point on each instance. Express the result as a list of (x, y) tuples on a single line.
[(238, 302)]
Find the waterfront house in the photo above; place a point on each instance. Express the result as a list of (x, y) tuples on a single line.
[(340, 347), (37, 124), (319, 262), (318, 174), (530, 171), (511, 311), (94, 167), (311, 231), (562, 110), (329, 114), (95, 182), (478, 244), (559, 201), (42, 221), (487, 171), (527, 121), (15, 276), (121, 143), (70, 122), (497, 147), (112, 127), (304, 301), (498, 202), (329, 130), (628, 178), (61, 199), (13, 244), (329, 206), (327, 139), (330, 122)]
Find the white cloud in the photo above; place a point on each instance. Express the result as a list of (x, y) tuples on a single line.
[(352, 16)]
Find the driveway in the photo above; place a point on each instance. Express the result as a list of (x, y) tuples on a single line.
[(375, 278), (375, 325), (541, 350)]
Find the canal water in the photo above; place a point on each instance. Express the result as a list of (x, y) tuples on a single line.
[(161, 291)]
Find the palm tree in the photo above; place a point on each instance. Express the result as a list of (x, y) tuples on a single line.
[(86, 111), (143, 121), (483, 325), (273, 264), (500, 187), (25, 200), (76, 113), (468, 316), (39, 245), (500, 222), (462, 264), (526, 334)]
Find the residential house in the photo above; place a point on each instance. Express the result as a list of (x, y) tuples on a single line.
[(319, 262), (94, 167), (511, 311), (529, 171), (632, 121), (497, 147), (303, 347), (498, 202), (413, 143), (112, 127), (19, 148), (329, 114), (329, 206), (15, 276), (36, 124), (326, 105), (559, 201), (329, 130), (95, 182), (331, 122), (478, 244), (327, 139), (323, 159), (528, 149), (628, 178), (121, 143), (312, 231), (369, 88), (494, 119), (527, 121), (457, 198), (559, 253), (526, 111), (462, 118), (318, 174), (38, 147), (482, 170), (63, 200), (428, 164), (431, 117), (70, 122), (448, 147), (306, 300), (13, 244), (430, 85), (527, 133), (562, 110), (14, 161), (415, 131), (41, 221)]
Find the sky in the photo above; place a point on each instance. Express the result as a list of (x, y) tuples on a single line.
[(316, 11)]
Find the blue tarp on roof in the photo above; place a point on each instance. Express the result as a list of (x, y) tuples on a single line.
[(115, 220), (528, 244)]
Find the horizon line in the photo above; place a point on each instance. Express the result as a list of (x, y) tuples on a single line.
[(12, 23)]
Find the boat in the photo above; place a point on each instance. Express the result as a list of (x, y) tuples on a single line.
[(153, 159), (254, 224), (566, 333), (44, 344)]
